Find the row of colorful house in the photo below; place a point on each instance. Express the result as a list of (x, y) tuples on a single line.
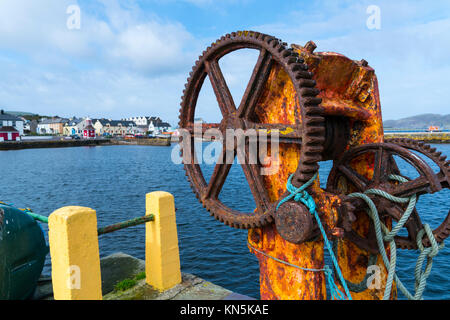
[(13, 127), (109, 127)]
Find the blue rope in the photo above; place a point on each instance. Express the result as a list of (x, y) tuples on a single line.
[(300, 194)]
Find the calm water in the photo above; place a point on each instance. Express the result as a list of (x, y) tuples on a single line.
[(114, 180)]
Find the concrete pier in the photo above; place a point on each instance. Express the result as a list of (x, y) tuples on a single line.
[(427, 137), (120, 266)]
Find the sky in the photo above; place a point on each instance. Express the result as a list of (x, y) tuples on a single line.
[(132, 58)]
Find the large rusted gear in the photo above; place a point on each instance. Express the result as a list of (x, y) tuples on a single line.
[(384, 165), (309, 130)]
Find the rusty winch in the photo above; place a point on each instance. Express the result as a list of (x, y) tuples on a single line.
[(325, 106)]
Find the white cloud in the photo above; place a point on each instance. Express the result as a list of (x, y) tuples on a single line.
[(126, 61), (39, 29), (409, 53), (152, 46), (121, 65)]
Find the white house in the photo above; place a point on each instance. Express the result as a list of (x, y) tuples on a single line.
[(159, 127), (140, 121), (8, 120)]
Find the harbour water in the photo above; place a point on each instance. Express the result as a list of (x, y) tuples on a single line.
[(113, 180)]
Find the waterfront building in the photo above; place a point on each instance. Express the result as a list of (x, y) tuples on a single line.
[(140, 121), (155, 124), (89, 130), (30, 126), (8, 133), (43, 126), (142, 130), (51, 126), (114, 127), (159, 127), (73, 127), (9, 120)]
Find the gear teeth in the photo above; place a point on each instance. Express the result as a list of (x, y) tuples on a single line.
[(312, 102), (443, 231), (310, 92), (312, 113), (301, 67), (292, 60), (307, 83), (303, 75), (313, 120)]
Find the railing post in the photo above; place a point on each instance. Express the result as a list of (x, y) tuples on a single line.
[(75, 254), (162, 259)]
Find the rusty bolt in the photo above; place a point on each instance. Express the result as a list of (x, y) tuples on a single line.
[(310, 46), (294, 222)]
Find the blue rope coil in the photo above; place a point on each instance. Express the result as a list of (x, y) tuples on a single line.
[(301, 195)]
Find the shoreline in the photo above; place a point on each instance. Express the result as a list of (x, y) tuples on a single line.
[(430, 138), (426, 137), (40, 144)]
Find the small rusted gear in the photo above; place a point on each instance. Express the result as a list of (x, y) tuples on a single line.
[(311, 130), (443, 230), (384, 165), (437, 157)]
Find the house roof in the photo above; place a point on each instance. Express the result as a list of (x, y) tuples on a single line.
[(115, 123), (10, 117), (73, 122), (54, 120), (8, 129)]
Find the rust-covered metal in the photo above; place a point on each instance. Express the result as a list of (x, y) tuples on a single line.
[(326, 107), (125, 224), (311, 131)]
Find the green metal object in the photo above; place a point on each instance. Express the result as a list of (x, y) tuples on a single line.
[(23, 249), (22, 253), (100, 231), (36, 216), (125, 224)]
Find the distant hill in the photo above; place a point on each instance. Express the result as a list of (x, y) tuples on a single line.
[(27, 115), (421, 121), (20, 113)]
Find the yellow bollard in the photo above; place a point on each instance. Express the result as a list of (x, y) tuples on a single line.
[(74, 253), (162, 259)]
